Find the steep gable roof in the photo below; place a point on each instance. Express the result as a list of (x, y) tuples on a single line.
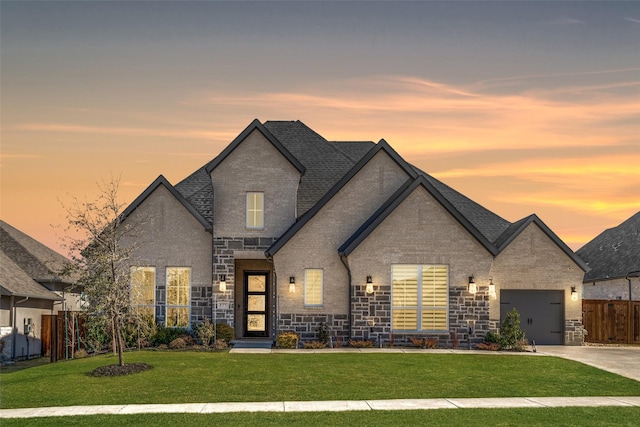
[(518, 227), (325, 164), (380, 146), (396, 200), (255, 125), (615, 252), (162, 181), (14, 281), (38, 261)]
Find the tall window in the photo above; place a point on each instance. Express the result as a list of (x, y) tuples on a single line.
[(255, 210), (143, 290), (313, 287), (420, 297), (178, 297)]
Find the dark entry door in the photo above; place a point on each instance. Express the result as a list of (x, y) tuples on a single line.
[(256, 304), (541, 314)]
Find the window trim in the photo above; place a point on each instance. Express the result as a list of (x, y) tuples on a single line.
[(251, 214), (420, 306), (177, 306), (306, 284)]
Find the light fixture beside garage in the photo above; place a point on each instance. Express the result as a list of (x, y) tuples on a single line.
[(473, 288), (223, 283), (492, 289), (574, 294), (369, 288), (292, 284)]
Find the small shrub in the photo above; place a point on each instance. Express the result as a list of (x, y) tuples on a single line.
[(188, 339), (430, 342), (205, 332), (225, 332), (314, 344), (81, 354), (418, 342), (221, 345), (492, 337), (288, 339), (165, 335), (163, 347), (177, 344), (454, 339), (491, 346), (360, 343), (323, 332), (511, 336)]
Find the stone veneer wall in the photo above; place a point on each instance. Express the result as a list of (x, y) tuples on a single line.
[(306, 325), (376, 309)]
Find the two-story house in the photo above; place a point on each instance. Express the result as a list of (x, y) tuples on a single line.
[(284, 230)]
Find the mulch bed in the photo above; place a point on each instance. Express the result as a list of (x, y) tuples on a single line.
[(117, 370)]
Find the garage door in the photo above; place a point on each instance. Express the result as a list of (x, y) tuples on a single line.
[(541, 314)]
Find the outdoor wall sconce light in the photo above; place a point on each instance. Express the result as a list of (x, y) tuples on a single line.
[(473, 288), (223, 282), (574, 294), (492, 289), (369, 288), (292, 284)]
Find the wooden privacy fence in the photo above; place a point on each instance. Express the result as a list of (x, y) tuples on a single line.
[(611, 321), (62, 334)]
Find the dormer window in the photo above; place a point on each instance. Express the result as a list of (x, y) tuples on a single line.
[(255, 210)]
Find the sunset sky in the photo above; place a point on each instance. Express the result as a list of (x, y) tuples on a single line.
[(523, 107)]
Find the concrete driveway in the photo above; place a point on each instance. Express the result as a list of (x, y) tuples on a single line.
[(623, 361)]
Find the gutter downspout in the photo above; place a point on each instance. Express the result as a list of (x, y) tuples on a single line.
[(15, 328), (343, 258), (629, 319)]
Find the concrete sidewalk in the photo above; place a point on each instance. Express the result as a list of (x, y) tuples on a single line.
[(328, 405)]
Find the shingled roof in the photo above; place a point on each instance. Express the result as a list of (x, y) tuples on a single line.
[(615, 252), (14, 281), (38, 261), (325, 163)]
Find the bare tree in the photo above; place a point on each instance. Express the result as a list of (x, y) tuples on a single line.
[(101, 258)]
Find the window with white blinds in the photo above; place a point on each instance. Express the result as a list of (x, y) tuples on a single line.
[(313, 287), (419, 299)]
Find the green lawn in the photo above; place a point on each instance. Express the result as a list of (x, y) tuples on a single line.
[(227, 377), (583, 417)]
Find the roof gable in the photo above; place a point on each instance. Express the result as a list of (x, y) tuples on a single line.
[(515, 229), (615, 252), (162, 181), (396, 200), (255, 126), (381, 146)]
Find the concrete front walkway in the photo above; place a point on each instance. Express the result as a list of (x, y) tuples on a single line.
[(332, 406)]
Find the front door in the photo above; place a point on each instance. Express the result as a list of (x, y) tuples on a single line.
[(256, 304)]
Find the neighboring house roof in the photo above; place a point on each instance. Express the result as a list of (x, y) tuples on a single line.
[(161, 180), (615, 252), (38, 261), (14, 281)]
